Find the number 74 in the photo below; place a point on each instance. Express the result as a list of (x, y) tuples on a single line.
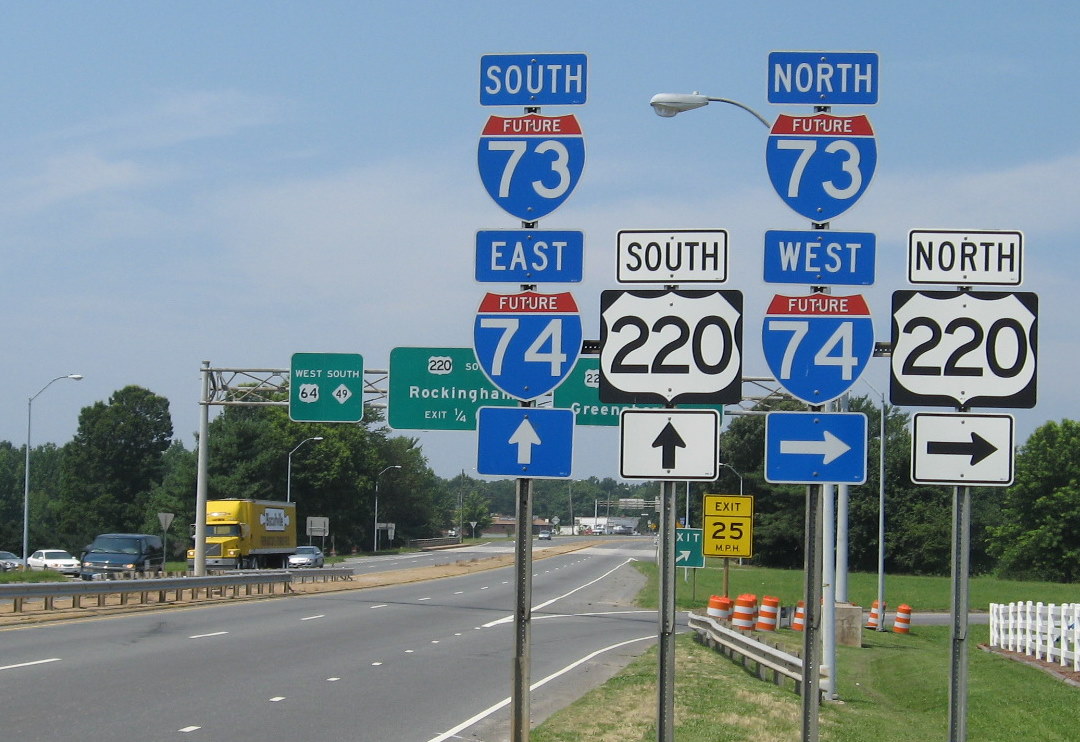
[(841, 340)]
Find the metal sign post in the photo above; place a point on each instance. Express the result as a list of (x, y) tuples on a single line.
[(519, 706), (665, 715), (961, 557), (811, 692)]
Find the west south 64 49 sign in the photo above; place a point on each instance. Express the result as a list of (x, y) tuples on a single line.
[(964, 348), (530, 164), (820, 165), (671, 346)]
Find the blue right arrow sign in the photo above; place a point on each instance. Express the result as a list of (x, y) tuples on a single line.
[(815, 447)]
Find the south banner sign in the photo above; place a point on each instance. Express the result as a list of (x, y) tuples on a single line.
[(818, 345), (530, 164), (527, 343), (820, 165), (534, 79)]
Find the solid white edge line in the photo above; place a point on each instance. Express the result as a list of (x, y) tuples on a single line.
[(28, 664), (506, 701), (507, 619)]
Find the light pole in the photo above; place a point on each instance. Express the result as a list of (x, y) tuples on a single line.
[(288, 475), (729, 466), (881, 512), (376, 544), (670, 104), (26, 465)]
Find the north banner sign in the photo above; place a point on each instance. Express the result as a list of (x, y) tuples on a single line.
[(821, 165), (533, 79), (823, 78), (527, 343), (964, 348), (326, 388), (965, 258), (820, 257), (530, 164), (438, 389), (817, 345)]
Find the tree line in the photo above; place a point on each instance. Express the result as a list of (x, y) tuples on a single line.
[(123, 467)]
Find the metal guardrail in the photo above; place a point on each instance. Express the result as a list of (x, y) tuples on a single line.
[(214, 586), (423, 543), (736, 644)]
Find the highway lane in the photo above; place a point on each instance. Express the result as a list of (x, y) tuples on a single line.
[(411, 662)]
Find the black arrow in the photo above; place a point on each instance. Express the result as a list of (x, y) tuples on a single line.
[(669, 439), (978, 449)]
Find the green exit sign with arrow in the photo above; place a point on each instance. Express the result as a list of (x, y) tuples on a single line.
[(688, 551)]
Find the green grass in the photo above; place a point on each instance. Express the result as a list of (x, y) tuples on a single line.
[(921, 593), (43, 575), (894, 687)]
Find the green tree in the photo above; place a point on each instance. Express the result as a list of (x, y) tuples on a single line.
[(476, 509), (1038, 534), (111, 465)]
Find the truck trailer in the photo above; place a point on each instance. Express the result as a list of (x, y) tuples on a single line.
[(248, 534)]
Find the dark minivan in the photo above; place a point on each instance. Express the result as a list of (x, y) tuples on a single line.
[(112, 553)]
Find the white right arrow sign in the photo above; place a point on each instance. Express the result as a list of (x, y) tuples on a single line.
[(829, 447)]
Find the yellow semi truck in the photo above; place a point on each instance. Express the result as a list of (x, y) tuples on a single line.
[(248, 534)]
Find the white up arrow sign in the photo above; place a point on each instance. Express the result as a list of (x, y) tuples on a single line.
[(830, 447), (524, 438)]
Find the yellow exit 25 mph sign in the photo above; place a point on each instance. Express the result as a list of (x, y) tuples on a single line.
[(728, 525)]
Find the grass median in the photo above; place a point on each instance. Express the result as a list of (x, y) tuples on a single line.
[(894, 687)]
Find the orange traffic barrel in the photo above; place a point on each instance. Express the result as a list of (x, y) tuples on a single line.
[(876, 616), (714, 606), (768, 614), (902, 624), (742, 615), (798, 621)]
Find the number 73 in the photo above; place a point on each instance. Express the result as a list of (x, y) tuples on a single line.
[(836, 351)]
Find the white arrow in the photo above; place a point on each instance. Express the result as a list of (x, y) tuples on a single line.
[(830, 447), (684, 556), (524, 438)]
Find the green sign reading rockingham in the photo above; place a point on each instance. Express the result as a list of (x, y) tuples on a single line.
[(439, 389)]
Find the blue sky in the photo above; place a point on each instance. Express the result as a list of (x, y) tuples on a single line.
[(236, 182)]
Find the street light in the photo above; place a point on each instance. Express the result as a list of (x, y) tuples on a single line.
[(395, 466), (26, 465), (881, 512), (670, 104), (729, 466), (288, 475)]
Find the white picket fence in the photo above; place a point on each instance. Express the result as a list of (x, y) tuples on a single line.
[(1041, 630)]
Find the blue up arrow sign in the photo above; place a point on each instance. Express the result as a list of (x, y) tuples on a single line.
[(525, 442), (815, 447)]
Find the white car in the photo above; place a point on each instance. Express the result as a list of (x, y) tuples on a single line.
[(54, 559), (307, 556)]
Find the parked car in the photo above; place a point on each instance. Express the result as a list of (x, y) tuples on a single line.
[(544, 536), (307, 556), (111, 553), (55, 559), (9, 561)]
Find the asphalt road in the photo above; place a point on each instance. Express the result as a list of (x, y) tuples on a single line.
[(425, 661)]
